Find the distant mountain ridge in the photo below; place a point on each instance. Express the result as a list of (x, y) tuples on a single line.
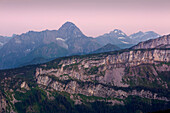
[(120, 39), (161, 42), (107, 48), (115, 37), (67, 40), (143, 36)]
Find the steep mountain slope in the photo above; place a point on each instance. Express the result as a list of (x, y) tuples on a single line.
[(69, 31), (108, 47), (22, 46), (162, 42), (116, 37), (77, 42), (46, 51), (117, 81), (3, 40), (143, 36)]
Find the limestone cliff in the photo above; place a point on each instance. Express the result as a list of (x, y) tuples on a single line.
[(98, 74)]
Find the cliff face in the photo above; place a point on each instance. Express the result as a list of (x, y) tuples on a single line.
[(109, 77), (96, 75), (162, 42)]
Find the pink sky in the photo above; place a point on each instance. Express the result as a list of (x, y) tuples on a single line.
[(93, 17)]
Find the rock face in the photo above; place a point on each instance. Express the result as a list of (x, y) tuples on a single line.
[(162, 42), (76, 41), (105, 71), (69, 30), (25, 86)]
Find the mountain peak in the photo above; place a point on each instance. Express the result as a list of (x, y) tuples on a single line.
[(69, 29), (118, 31), (151, 32), (68, 24), (140, 32)]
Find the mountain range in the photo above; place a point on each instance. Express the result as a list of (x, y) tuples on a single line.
[(143, 36), (66, 41), (133, 80)]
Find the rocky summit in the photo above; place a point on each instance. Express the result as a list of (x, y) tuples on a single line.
[(130, 80)]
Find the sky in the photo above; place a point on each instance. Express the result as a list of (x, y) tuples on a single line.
[(93, 17)]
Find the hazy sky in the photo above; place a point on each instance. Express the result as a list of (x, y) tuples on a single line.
[(93, 17)]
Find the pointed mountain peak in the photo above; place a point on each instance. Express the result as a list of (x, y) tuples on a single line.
[(139, 32), (117, 32), (69, 29), (68, 24)]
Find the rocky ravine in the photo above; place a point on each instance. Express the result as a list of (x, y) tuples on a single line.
[(111, 77)]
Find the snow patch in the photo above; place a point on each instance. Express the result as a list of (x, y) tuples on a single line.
[(121, 37), (125, 42), (115, 31), (60, 39), (122, 33), (157, 36)]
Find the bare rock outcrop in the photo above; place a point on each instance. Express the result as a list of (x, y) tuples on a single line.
[(25, 86)]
